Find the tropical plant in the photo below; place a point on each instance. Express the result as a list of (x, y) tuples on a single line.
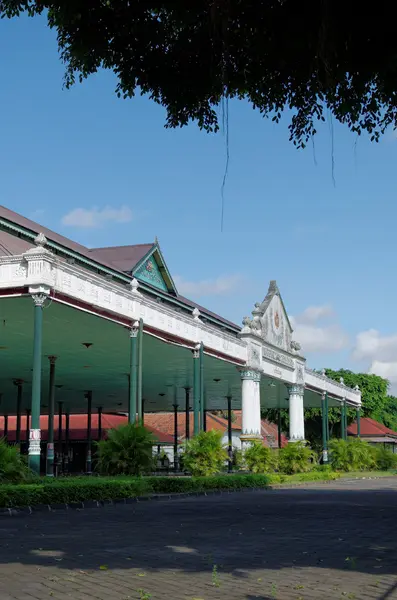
[(259, 458), (385, 459), (205, 454), (296, 457), (351, 455), (126, 451), (13, 466)]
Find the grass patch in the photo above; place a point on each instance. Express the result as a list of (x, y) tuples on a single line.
[(80, 489)]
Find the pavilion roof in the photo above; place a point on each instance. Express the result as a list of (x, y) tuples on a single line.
[(370, 427), (120, 259)]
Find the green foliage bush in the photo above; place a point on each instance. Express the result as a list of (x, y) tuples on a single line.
[(13, 466), (259, 458), (204, 454), (126, 451), (385, 459), (296, 457), (351, 455), (82, 489)]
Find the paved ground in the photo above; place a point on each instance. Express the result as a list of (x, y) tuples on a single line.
[(333, 541)]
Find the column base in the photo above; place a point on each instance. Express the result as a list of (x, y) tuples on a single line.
[(248, 438)]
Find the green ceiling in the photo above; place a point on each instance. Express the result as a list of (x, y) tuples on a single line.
[(103, 367)]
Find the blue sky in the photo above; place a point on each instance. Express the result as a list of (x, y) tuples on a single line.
[(332, 247)]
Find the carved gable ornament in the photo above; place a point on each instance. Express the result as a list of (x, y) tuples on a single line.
[(270, 321)]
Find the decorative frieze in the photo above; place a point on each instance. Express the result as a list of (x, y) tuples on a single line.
[(277, 357)]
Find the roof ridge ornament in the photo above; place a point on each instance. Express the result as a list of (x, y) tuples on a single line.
[(134, 284), (40, 240)]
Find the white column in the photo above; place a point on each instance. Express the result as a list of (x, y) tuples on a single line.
[(250, 406), (296, 414)]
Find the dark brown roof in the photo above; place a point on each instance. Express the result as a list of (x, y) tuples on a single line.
[(124, 258), (13, 217), (12, 245)]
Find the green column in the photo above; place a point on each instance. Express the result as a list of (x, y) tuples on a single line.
[(229, 434), (175, 407), (196, 391), (18, 383), (345, 414), (67, 427), (133, 384), (60, 441), (326, 418), (342, 420), (51, 410), (35, 434), (89, 434), (202, 398), (358, 423), (324, 422), (139, 371)]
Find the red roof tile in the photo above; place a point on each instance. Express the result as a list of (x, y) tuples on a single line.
[(370, 427), (78, 427)]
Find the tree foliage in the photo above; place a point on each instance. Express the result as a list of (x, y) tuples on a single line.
[(309, 56)]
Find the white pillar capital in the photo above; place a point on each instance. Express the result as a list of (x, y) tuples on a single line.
[(250, 375)]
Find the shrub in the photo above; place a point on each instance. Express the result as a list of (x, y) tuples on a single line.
[(296, 457), (126, 451), (351, 455), (13, 466), (82, 489), (204, 454), (385, 459), (259, 458)]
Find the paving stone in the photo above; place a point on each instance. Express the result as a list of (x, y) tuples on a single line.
[(308, 543)]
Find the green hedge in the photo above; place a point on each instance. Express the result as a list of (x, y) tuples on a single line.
[(82, 489)]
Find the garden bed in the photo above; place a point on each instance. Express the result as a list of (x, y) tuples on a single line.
[(82, 489)]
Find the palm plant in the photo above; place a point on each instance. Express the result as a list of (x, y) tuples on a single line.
[(259, 458), (13, 466), (351, 455), (205, 454), (296, 457), (126, 451)]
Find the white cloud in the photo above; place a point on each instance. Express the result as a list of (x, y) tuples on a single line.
[(95, 217), (314, 334), (312, 314), (380, 352), (207, 287)]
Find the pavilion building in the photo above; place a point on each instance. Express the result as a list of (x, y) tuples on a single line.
[(106, 328)]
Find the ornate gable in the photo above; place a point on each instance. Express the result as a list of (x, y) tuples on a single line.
[(150, 273), (153, 270), (270, 321)]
